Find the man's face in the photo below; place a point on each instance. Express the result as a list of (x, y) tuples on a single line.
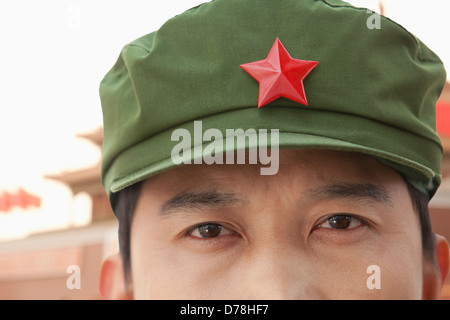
[(309, 232)]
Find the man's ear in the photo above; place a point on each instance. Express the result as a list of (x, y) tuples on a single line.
[(112, 280), (442, 254), (434, 276)]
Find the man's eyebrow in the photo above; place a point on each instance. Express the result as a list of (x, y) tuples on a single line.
[(189, 201), (352, 191)]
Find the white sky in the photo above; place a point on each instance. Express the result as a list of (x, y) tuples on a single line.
[(53, 55)]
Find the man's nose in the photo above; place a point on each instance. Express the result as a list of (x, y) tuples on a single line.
[(276, 273)]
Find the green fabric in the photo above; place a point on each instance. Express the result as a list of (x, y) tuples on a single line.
[(374, 90)]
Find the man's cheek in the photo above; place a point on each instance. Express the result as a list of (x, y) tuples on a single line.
[(386, 274), (348, 272), (175, 274)]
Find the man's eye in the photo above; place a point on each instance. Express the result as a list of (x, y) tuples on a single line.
[(341, 222), (208, 231)]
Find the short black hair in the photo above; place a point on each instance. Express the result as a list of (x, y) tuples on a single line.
[(421, 207), (128, 197), (124, 211)]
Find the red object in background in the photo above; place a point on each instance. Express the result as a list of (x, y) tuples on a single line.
[(4, 201), (20, 199), (443, 118)]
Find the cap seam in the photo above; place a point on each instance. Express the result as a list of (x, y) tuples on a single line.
[(137, 45), (250, 107)]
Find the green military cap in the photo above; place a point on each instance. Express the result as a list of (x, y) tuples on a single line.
[(352, 88)]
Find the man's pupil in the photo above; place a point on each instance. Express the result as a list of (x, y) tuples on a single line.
[(340, 222), (209, 230)]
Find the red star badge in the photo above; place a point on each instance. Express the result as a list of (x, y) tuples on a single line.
[(279, 75)]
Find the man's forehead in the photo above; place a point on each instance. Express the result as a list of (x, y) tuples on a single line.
[(315, 166)]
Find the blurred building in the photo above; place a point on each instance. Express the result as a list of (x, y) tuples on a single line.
[(65, 264), (440, 204)]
